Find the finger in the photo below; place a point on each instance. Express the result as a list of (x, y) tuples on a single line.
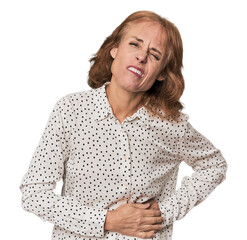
[(154, 206), (146, 234), (152, 213), (155, 227), (141, 205), (152, 220)]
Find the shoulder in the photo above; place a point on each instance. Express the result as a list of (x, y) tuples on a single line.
[(164, 122), (78, 96), (75, 98), (182, 118)]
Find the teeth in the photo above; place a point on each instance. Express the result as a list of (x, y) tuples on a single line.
[(135, 70)]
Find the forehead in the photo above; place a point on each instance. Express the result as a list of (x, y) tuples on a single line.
[(149, 32)]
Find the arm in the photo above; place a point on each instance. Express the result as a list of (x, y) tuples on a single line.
[(209, 171), (47, 168)]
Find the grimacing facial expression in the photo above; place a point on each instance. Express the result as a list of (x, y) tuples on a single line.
[(139, 58)]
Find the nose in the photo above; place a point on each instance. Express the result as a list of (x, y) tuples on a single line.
[(141, 57)]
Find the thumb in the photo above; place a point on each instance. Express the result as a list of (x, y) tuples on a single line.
[(142, 205)]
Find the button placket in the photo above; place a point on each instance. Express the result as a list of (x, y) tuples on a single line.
[(126, 163)]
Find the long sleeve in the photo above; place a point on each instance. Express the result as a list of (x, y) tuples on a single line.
[(47, 168), (209, 171)]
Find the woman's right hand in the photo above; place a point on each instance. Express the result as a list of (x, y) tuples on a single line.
[(134, 219)]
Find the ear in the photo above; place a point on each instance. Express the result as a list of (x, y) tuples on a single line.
[(113, 52), (160, 78)]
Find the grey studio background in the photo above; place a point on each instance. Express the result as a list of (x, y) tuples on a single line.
[(44, 51)]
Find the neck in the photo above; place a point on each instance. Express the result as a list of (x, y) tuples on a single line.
[(123, 103)]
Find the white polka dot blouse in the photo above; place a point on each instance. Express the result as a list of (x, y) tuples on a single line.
[(104, 164)]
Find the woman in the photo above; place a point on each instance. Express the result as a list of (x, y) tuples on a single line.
[(118, 146)]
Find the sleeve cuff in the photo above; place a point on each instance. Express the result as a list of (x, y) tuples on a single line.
[(95, 222)]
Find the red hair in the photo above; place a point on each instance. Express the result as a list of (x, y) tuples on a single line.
[(163, 95)]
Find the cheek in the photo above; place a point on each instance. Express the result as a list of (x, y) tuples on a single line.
[(154, 71), (158, 70), (116, 66), (117, 61)]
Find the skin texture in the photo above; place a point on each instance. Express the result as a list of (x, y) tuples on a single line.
[(142, 47)]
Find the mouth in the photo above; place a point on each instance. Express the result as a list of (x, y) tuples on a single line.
[(137, 71)]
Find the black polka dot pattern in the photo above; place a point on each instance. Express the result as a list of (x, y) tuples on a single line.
[(105, 164)]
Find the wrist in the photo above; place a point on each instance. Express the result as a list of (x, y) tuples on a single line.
[(109, 220)]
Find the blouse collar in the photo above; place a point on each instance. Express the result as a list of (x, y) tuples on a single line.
[(103, 110)]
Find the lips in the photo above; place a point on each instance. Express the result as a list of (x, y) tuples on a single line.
[(137, 71)]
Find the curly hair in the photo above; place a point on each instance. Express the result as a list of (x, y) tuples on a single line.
[(163, 96)]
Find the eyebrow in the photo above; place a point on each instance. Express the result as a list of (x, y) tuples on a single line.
[(140, 40)]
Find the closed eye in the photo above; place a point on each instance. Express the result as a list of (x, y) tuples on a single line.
[(133, 44), (156, 57)]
